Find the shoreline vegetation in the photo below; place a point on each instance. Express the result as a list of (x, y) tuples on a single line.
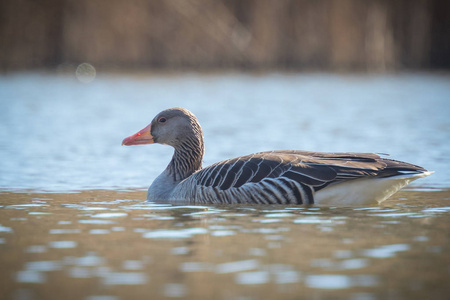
[(322, 35)]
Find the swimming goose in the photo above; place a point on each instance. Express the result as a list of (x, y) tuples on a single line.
[(273, 177)]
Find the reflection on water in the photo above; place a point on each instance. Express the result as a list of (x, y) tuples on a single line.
[(101, 245)]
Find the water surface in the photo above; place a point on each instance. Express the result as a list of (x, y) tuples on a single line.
[(74, 223), (57, 134), (112, 245)]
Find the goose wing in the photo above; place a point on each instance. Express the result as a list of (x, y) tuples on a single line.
[(287, 177)]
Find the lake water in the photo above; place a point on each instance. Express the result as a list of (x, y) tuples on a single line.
[(74, 223)]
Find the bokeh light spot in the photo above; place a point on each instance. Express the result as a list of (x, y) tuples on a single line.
[(85, 73)]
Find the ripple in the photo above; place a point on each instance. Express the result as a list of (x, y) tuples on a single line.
[(99, 231), (25, 206), (175, 290), (386, 251), (195, 267), (279, 215), (125, 278), (96, 222), (443, 209), (157, 217), (312, 220), (159, 207), (257, 251), (179, 251), (394, 215), (265, 230), (355, 263), (287, 276), (266, 221), (223, 233), (102, 297), (174, 234), (89, 208), (202, 213), (110, 215), (64, 222), (85, 261), (36, 249), (30, 277), (113, 202), (64, 231), (421, 238), (132, 265), (257, 277), (333, 281), (237, 266), (43, 266), (63, 244), (78, 272), (5, 229), (118, 228)]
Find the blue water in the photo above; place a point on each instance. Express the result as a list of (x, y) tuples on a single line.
[(59, 134)]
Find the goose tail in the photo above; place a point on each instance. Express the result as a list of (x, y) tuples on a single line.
[(366, 191)]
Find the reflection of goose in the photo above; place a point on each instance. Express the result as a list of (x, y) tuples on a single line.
[(273, 177)]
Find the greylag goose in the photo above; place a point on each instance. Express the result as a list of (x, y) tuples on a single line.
[(272, 177)]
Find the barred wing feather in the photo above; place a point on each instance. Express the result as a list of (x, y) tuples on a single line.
[(289, 177)]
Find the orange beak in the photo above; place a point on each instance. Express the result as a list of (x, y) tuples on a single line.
[(142, 137)]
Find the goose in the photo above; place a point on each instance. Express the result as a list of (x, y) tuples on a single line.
[(271, 177)]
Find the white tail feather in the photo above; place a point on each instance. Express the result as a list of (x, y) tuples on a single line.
[(364, 191)]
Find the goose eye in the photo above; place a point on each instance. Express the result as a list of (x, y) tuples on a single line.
[(162, 120)]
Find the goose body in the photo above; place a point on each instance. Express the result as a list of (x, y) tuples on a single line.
[(272, 177)]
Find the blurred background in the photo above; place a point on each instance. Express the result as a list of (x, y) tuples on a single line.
[(323, 75), (375, 35)]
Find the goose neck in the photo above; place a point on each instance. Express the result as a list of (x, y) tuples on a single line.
[(186, 160)]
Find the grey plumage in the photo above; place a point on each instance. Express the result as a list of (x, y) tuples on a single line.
[(273, 177), (283, 177)]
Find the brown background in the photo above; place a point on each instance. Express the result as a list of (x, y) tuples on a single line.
[(373, 35)]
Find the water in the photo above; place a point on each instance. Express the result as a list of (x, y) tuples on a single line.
[(74, 223), (112, 245), (58, 134)]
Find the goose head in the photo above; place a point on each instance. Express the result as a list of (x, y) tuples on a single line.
[(173, 126)]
